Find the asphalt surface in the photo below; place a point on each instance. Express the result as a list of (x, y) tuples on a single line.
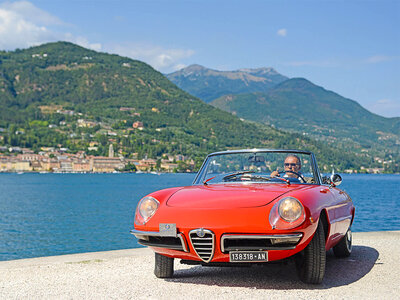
[(371, 272)]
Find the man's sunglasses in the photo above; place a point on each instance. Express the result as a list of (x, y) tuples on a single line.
[(290, 165)]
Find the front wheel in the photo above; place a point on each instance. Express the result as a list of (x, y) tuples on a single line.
[(343, 248), (310, 262), (164, 266)]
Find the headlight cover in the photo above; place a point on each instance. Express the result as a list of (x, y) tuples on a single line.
[(146, 208), (287, 213)]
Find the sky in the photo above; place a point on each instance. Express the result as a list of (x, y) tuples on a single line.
[(349, 47)]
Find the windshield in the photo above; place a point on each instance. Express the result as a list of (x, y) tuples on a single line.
[(261, 166)]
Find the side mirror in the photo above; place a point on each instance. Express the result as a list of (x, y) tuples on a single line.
[(335, 179)]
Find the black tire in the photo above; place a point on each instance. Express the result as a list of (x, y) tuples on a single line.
[(310, 262), (164, 266), (344, 247)]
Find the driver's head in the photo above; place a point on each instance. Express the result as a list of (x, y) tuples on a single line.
[(292, 163)]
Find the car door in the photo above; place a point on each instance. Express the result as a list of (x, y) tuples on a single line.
[(342, 211)]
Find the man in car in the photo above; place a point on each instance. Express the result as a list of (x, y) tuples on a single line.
[(292, 164)]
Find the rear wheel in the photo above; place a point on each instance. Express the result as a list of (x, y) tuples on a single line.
[(310, 263), (343, 248), (164, 266)]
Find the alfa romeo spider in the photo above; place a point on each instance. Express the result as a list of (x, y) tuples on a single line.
[(249, 207)]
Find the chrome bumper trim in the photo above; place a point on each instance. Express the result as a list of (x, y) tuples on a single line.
[(275, 239), (141, 234)]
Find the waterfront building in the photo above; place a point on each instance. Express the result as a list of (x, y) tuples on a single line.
[(106, 164)]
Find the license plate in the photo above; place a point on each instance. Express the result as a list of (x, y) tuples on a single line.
[(167, 229), (248, 256)]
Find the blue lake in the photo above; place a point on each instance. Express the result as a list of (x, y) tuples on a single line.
[(53, 214)]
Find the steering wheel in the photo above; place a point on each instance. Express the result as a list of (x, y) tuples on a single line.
[(295, 173)]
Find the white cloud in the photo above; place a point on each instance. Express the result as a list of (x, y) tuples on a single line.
[(386, 107), (31, 13), (16, 32), (164, 60), (282, 32), (24, 25), (380, 58)]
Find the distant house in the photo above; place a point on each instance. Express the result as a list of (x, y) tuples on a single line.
[(138, 125), (27, 151), (14, 149), (106, 164), (169, 167), (51, 165), (81, 166), (66, 112), (145, 164), (86, 123), (30, 157), (126, 108), (47, 149)]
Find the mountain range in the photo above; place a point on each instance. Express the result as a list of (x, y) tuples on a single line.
[(208, 84), (295, 105), (63, 95)]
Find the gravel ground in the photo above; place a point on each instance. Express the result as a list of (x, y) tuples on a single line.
[(372, 271)]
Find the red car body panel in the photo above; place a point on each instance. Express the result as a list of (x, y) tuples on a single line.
[(244, 208)]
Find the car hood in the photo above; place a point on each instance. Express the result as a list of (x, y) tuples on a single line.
[(228, 195)]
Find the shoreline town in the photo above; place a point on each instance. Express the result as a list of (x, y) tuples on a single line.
[(58, 161), (49, 159)]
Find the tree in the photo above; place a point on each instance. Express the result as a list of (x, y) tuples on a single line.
[(129, 168)]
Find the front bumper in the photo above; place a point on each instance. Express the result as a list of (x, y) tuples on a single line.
[(156, 239), (203, 244)]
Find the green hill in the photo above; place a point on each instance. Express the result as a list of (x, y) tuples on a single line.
[(298, 105), (63, 95), (208, 84)]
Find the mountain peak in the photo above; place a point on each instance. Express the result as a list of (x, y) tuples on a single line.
[(195, 78), (57, 46), (194, 67)]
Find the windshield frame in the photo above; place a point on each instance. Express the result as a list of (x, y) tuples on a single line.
[(314, 165)]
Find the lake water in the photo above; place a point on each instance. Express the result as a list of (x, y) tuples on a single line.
[(53, 214)]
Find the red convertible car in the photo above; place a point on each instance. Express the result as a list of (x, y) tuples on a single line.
[(249, 207)]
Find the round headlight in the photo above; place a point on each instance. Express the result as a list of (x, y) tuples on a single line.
[(287, 213), (290, 209), (147, 207)]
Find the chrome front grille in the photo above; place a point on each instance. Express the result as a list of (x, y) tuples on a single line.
[(203, 242), (250, 242)]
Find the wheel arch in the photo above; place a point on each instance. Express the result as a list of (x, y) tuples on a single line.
[(353, 215), (325, 222)]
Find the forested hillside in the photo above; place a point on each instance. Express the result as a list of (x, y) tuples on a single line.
[(300, 106), (63, 95)]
